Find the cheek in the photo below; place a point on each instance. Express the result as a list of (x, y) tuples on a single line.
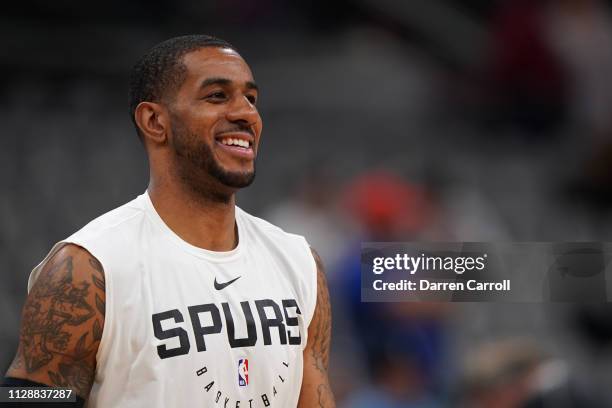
[(206, 121), (202, 120)]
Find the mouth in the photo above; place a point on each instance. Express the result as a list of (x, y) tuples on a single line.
[(239, 144)]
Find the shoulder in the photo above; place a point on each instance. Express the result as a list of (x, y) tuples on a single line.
[(114, 221), (112, 235), (293, 248), (255, 224), (70, 265), (106, 238)]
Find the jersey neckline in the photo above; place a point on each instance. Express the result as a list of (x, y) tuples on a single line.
[(218, 256)]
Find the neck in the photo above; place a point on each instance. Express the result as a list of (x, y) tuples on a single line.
[(202, 221)]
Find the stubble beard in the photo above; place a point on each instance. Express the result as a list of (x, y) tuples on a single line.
[(199, 171)]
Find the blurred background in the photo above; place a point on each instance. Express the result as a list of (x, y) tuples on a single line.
[(431, 120)]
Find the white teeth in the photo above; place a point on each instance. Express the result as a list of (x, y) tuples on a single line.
[(235, 142)]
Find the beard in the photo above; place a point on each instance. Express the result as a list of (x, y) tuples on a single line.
[(200, 171)]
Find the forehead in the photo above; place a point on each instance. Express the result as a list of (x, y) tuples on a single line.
[(215, 62)]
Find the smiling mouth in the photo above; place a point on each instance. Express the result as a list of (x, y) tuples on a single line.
[(237, 144)]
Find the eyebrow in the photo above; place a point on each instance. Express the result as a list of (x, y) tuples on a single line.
[(225, 81)]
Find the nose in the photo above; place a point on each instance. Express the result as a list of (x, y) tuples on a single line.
[(242, 110)]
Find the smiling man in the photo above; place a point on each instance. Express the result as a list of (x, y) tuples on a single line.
[(179, 298)]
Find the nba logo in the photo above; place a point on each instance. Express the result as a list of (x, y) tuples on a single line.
[(243, 372)]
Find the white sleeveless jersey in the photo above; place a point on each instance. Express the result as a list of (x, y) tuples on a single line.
[(188, 327)]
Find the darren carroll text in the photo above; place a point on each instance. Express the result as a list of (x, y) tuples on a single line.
[(424, 284)]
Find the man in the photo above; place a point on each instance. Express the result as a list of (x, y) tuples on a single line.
[(179, 298)]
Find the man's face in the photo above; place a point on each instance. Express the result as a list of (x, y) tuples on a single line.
[(215, 124)]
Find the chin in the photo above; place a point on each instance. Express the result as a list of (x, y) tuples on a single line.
[(236, 179)]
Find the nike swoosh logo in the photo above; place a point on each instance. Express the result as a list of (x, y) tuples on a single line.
[(220, 286)]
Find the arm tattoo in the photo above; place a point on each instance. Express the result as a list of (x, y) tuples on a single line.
[(321, 334), (322, 319), (325, 396), (61, 329)]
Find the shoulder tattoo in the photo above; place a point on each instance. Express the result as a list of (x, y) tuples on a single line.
[(62, 323)]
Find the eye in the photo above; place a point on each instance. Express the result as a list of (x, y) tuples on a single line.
[(252, 99), (216, 96)]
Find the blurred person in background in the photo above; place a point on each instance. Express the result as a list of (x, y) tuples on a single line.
[(404, 344)]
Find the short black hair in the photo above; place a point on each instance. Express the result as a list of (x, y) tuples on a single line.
[(161, 69)]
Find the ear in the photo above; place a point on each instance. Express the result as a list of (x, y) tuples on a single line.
[(152, 119)]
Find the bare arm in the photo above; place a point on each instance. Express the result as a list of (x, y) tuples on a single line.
[(316, 391), (61, 323)]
